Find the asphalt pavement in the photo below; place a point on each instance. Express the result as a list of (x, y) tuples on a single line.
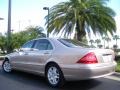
[(23, 81)]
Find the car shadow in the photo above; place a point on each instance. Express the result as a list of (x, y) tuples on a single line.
[(38, 81), (82, 85)]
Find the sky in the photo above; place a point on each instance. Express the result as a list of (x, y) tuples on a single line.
[(25, 13), (30, 12), (115, 5)]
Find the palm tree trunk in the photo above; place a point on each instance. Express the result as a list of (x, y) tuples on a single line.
[(91, 43), (104, 43), (97, 44), (108, 44), (80, 33), (116, 42)]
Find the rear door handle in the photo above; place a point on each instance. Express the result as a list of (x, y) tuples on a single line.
[(25, 53)]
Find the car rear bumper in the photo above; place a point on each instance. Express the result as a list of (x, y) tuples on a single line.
[(82, 72)]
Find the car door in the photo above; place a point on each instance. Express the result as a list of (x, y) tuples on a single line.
[(20, 57), (40, 53)]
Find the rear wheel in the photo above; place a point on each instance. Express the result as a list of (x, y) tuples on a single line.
[(54, 75), (6, 66)]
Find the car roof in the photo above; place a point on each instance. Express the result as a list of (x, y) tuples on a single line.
[(46, 38)]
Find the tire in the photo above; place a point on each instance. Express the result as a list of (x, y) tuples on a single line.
[(6, 66), (54, 75)]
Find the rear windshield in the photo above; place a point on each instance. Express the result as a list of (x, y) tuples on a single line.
[(72, 43)]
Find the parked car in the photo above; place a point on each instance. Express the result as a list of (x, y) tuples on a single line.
[(61, 60)]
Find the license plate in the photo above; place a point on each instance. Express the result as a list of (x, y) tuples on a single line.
[(107, 58)]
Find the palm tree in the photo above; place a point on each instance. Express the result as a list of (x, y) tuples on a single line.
[(104, 40), (108, 40), (91, 41), (79, 15), (35, 31), (116, 37), (98, 41)]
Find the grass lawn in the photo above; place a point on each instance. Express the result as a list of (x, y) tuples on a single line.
[(118, 66)]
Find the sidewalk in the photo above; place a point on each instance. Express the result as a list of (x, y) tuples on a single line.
[(117, 74)]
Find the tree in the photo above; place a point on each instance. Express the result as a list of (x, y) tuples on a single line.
[(116, 37), (3, 42), (35, 32), (79, 15), (30, 33), (106, 38), (91, 41), (98, 41), (19, 38), (115, 47), (100, 45)]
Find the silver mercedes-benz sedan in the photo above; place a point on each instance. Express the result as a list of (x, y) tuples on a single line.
[(61, 60)]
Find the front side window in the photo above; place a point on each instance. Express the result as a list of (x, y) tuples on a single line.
[(28, 44), (43, 44)]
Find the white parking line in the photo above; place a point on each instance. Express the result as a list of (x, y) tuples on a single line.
[(113, 78)]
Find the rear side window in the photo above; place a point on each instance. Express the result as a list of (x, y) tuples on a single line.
[(72, 43), (28, 44), (43, 44)]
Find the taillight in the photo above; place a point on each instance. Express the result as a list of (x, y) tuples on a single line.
[(89, 58)]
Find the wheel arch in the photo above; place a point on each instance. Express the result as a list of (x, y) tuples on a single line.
[(6, 58), (62, 78), (50, 62)]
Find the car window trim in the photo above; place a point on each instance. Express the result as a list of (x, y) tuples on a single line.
[(34, 42), (47, 43)]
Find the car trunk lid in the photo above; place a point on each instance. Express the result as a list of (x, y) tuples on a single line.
[(102, 55)]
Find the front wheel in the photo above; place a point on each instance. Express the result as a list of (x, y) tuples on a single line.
[(54, 75), (6, 66)]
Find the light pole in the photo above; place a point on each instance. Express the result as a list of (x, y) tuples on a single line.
[(47, 8), (9, 28), (1, 19)]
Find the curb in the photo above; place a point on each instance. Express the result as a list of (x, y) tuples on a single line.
[(2, 57), (117, 74)]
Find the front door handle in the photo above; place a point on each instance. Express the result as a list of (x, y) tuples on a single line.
[(46, 53)]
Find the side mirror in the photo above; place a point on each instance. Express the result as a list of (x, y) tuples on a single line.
[(24, 49), (20, 49), (16, 50)]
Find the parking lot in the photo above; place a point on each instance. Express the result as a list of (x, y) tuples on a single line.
[(23, 81)]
